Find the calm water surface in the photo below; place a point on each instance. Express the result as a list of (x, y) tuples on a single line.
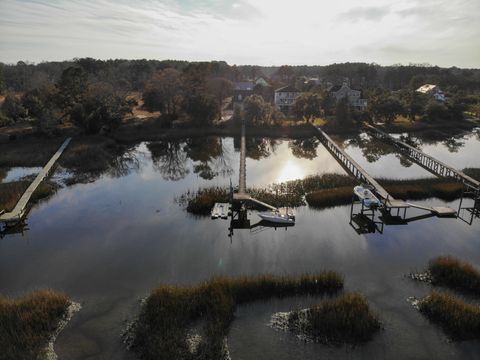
[(109, 242)]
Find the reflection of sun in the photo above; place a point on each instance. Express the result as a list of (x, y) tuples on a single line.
[(290, 171)]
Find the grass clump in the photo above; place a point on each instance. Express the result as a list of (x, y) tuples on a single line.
[(459, 320), (11, 192), (27, 323), (331, 197), (417, 189), (171, 312), (452, 273), (345, 319)]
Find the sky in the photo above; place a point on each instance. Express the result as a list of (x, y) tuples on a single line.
[(260, 32)]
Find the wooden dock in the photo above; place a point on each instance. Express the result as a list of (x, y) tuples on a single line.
[(388, 201), (242, 195), (358, 172), (428, 162), (18, 212)]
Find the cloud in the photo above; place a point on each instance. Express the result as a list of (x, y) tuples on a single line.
[(367, 13), (443, 32)]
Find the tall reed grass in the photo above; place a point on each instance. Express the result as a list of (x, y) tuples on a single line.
[(11, 192), (459, 320), (27, 323), (344, 319), (170, 312), (452, 273)]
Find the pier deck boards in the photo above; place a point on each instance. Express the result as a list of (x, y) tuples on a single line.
[(428, 162), (358, 172)]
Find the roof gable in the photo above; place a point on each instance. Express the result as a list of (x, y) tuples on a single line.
[(288, 88)]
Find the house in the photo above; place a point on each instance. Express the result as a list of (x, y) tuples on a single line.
[(434, 91), (242, 89), (261, 81), (354, 96), (285, 98)]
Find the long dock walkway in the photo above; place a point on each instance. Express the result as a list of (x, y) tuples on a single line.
[(358, 172), (19, 210), (242, 194), (428, 162)]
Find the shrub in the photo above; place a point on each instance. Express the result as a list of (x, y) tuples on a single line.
[(26, 324), (452, 273), (169, 313), (345, 319), (459, 320)]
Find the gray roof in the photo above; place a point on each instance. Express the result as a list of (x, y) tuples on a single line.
[(244, 85)]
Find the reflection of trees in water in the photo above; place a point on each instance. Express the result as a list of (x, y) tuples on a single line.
[(454, 144), (476, 132), (304, 148), (213, 157), (169, 159), (259, 148), (124, 163), (372, 149), (209, 154)]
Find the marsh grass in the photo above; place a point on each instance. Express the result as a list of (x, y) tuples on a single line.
[(322, 191), (170, 311), (450, 272), (90, 154), (27, 323), (28, 152), (11, 192), (459, 320), (344, 319), (401, 189), (331, 197)]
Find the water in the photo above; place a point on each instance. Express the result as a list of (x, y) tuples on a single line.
[(108, 243), (17, 173)]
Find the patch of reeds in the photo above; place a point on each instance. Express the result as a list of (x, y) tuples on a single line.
[(3, 173), (452, 273), (11, 192), (90, 154), (170, 312), (344, 319), (331, 197), (202, 201), (417, 189), (27, 323), (28, 152), (459, 320)]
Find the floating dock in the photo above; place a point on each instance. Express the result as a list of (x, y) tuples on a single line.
[(18, 212), (221, 211)]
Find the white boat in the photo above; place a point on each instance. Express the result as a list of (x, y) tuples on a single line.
[(277, 217), (366, 196)]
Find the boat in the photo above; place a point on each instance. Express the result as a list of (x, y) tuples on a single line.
[(366, 196), (277, 217)]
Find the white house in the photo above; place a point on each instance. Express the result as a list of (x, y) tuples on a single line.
[(285, 98), (354, 96), (434, 91)]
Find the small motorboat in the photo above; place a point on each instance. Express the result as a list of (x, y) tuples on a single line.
[(277, 217), (366, 196)]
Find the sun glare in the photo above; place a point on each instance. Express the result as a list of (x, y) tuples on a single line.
[(290, 171)]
